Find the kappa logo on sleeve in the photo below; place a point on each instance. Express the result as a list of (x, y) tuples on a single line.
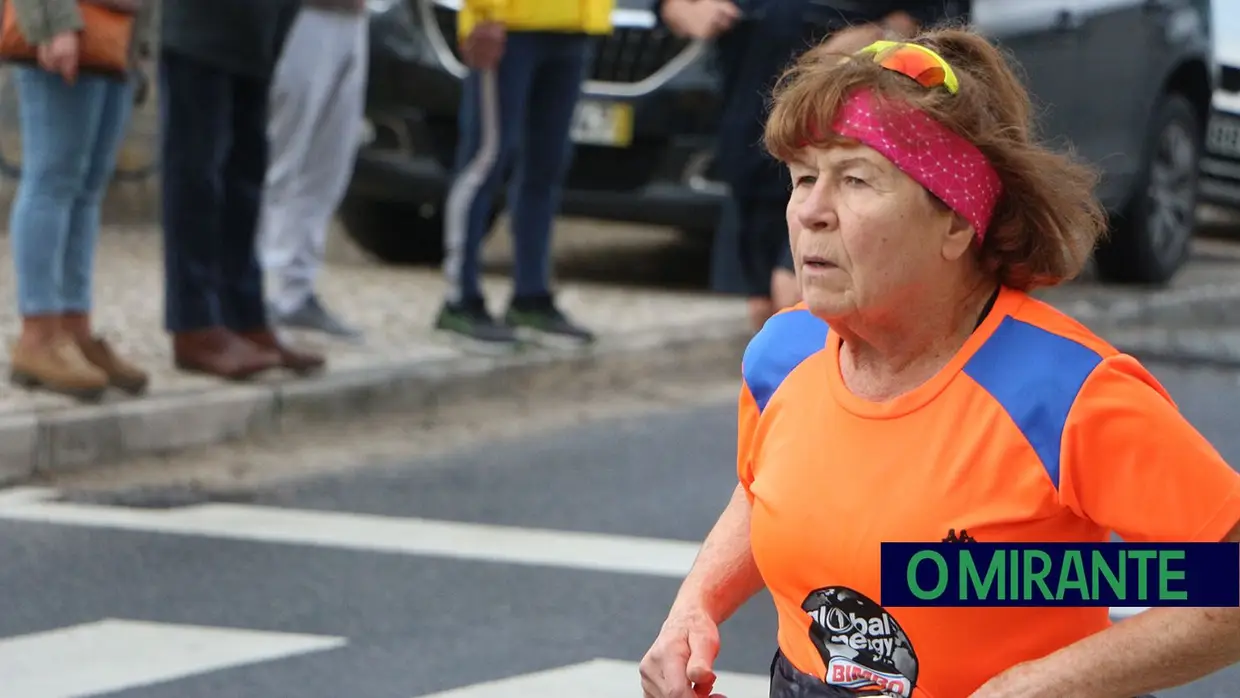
[(964, 537)]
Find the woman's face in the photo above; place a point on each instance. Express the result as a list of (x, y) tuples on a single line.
[(865, 237)]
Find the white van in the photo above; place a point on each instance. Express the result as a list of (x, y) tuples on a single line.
[(1220, 164)]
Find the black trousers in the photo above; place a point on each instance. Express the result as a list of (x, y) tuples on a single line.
[(753, 237), (752, 242), (214, 147)]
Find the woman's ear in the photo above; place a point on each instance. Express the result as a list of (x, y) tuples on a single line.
[(959, 238)]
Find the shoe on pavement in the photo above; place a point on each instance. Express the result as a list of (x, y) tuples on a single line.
[(312, 315), (469, 320), (539, 317)]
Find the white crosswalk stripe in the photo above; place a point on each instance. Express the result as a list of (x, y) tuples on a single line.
[(380, 534), (115, 655)]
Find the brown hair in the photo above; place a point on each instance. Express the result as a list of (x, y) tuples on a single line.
[(1046, 222)]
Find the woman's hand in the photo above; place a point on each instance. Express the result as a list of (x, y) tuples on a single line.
[(484, 47), (680, 662), (699, 19), (60, 56)]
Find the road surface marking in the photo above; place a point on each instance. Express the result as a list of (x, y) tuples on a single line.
[(601, 678), (118, 655), (382, 534)]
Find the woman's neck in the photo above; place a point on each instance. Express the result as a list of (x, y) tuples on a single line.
[(883, 360)]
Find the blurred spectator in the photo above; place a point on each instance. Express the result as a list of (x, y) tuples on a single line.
[(528, 59), (72, 124), (215, 73), (317, 103), (756, 40)]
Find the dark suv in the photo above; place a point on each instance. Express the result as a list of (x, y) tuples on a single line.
[(1125, 82)]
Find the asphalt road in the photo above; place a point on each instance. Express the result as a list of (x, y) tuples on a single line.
[(338, 592)]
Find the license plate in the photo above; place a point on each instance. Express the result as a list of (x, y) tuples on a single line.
[(1224, 136), (603, 123)]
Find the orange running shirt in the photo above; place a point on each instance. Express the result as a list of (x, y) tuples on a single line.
[(1037, 431)]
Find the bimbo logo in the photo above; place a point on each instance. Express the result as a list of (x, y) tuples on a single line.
[(848, 674)]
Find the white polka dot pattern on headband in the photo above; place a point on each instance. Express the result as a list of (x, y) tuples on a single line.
[(942, 161)]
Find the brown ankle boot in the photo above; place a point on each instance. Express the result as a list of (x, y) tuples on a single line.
[(218, 352), (120, 372), (58, 367), (298, 361)]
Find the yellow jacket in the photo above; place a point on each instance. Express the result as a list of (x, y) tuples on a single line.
[(587, 16)]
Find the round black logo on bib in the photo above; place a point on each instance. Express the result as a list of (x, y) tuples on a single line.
[(863, 647)]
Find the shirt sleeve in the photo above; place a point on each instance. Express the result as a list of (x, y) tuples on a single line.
[(1132, 463), (746, 424)]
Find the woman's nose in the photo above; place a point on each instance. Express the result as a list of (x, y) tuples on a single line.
[(816, 211)]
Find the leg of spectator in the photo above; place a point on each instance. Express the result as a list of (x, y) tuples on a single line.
[(493, 109), (768, 254), (57, 133), (299, 91), (785, 288), (758, 253), (197, 105), (547, 152), (245, 167), (111, 121), (324, 67)]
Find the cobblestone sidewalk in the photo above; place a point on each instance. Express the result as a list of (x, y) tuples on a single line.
[(394, 307)]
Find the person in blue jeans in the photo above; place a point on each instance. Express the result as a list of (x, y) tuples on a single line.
[(72, 125), (528, 59)]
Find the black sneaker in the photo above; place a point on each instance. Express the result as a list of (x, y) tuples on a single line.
[(470, 320), (539, 317)]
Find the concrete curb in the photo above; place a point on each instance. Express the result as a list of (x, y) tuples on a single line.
[(98, 435)]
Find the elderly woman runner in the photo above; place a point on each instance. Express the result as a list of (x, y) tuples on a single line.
[(918, 390)]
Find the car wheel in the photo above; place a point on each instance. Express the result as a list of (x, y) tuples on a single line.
[(396, 233), (1150, 241)]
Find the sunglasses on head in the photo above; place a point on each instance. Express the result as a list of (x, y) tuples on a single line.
[(919, 63)]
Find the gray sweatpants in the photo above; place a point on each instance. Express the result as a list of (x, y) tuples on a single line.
[(317, 102)]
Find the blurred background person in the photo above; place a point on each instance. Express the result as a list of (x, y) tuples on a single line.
[(216, 64), (72, 124), (527, 62), (756, 40), (317, 103)]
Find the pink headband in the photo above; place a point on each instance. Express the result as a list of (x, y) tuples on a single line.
[(937, 158)]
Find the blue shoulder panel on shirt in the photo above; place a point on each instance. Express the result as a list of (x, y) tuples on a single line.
[(1035, 375), (784, 342)]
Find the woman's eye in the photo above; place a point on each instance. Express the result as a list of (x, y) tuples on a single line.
[(806, 181), (853, 181)]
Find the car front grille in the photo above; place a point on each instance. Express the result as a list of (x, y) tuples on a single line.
[(632, 54), (628, 55)]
